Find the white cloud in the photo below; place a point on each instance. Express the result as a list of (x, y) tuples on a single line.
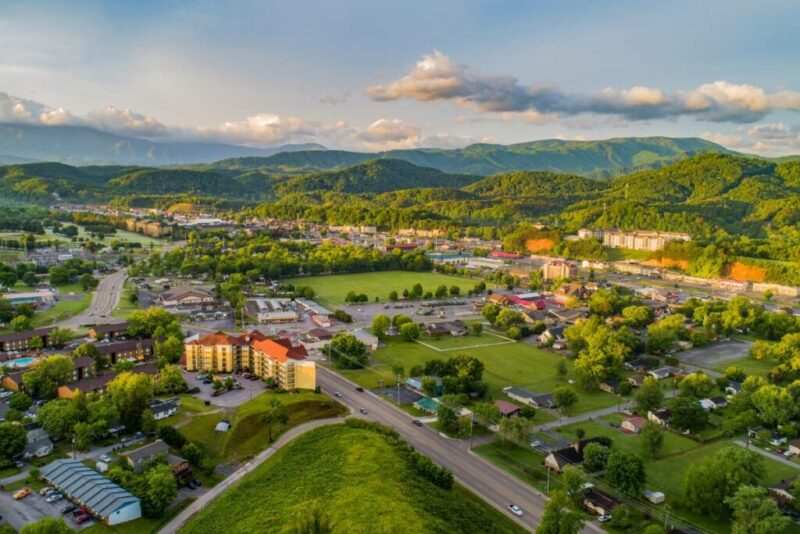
[(771, 139), (437, 77), (726, 140)]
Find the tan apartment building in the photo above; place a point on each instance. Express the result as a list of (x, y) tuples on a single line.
[(641, 240), (556, 269)]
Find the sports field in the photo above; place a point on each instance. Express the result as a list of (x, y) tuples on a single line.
[(332, 289), (506, 364), (358, 480)]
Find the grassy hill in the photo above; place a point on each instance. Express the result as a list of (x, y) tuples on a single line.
[(362, 482)]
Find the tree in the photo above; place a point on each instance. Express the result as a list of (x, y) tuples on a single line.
[(774, 404), (755, 512), (170, 380), (649, 397), (487, 413), (515, 429), (83, 436), (623, 518), (58, 417), (409, 331), (595, 457), (490, 312), (160, 490), (131, 393), (59, 336), (171, 349), (508, 318), (347, 352), (20, 401), (637, 316), (20, 323), (565, 398), (171, 436), (709, 482), (625, 471), (90, 350), (574, 479), (652, 439), (393, 295), (455, 291), (557, 519), (697, 385), (47, 525), (381, 323), (429, 384), (476, 329), (688, 414), (47, 375), (88, 282), (194, 453), (447, 412), (154, 322), (561, 369), (441, 292), (13, 439), (275, 413)]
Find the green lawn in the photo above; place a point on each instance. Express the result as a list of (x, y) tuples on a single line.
[(124, 307), (63, 309), (619, 254), (673, 443), (525, 464), (248, 435), (514, 364), (332, 289), (748, 364), (361, 483)]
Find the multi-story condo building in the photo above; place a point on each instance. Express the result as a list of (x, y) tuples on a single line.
[(636, 239), (555, 269), (254, 352)]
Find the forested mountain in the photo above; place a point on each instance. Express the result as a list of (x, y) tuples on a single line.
[(596, 158), (80, 145)]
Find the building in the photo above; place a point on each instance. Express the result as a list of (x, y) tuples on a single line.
[(632, 425), (662, 416), (415, 382), (553, 270), (183, 296), (641, 240), (776, 289), (264, 357), (448, 258), (110, 503), (368, 339), (599, 503), (97, 384), (507, 409), (17, 341), (164, 408), (505, 255), (139, 349), (38, 442), (138, 458), (552, 334), (272, 311), (35, 298), (498, 298), (529, 398), (558, 459), (83, 367), (13, 381), (590, 233), (108, 331), (477, 263), (782, 491)]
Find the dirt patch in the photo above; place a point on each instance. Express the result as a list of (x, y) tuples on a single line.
[(539, 245), (742, 271), (668, 263)]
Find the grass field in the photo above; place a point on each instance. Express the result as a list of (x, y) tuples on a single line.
[(121, 235), (748, 364), (124, 306), (619, 254), (360, 481), (248, 435), (514, 364), (331, 290), (63, 309)]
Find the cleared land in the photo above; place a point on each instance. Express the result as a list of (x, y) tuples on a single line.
[(513, 364), (248, 435), (360, 481), (332, 289)]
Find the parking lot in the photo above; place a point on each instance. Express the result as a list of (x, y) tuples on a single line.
[(250, 388), (32, 508)]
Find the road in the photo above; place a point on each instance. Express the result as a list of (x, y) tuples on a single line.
[(494, 485), (179, 520), (105, 299), (767, 454)]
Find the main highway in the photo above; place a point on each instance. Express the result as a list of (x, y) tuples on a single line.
[(104, 301), (494, 485)]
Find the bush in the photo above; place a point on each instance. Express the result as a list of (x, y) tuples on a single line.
[(172, 436)]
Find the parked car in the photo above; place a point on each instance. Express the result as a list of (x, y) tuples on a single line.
[(604, 518), (21, 494), (138, 435), (106, 458), (82, 518), (514, 509), (55, 497), (536, 444), (69, 509)]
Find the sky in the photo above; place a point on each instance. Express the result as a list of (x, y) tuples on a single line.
[(376, 75)]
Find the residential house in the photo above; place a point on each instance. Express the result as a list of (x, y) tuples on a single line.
[(535, 400), (558, 459), (108, 331), (415, 382), (782, 491), (660, 374), (164, 408), (498, 298), (662, 416), (552, 334), (571, 291), (599, 503), (138, 458), (13, 381), (794, 447), (370, 340), (636, 365), (19, 341), (733, 387), (507, 409), (570, 315), (636, 380), (609, 386), (38, 443), (632, 425)]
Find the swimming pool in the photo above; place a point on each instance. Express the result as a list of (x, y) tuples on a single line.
[(18, 363)]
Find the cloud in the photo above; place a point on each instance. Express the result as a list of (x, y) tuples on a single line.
[(773, 139), (334, 100), (726, 140), (437, 77)]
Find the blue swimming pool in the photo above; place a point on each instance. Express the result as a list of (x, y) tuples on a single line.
[(18, 363)]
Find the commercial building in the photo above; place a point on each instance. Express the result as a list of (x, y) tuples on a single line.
[(185, 297), (556, 269), (264, 357), (272, 311), (138, 349), (35, 298), (110, 503)]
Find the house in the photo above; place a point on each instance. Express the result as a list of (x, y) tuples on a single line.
[(529, 398), (609, 386), (572, 290), (17, 341), (499, 299), (164, 408), (632, 425), (782, 491), (719, 402), (427, 405), (108, 331), (38, 443), (570, 315), (368, 339), (662, 416), (636, 365), (794, 447), (137, 458), (707, 404), (415, 382), (660, 374), (107, 501), (778, 439), (636, 380), (733, 387), (13, 381), (599, 503), (557, 460), (552, 334), (506, 408), (183, 296)]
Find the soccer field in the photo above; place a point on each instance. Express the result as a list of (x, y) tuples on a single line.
[(332, 289)]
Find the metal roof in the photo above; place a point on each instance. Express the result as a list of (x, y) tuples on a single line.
[(88, 486)]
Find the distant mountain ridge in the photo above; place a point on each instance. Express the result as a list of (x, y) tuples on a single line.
[(79, 145)]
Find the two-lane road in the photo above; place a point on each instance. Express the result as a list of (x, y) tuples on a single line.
[(494, 485)]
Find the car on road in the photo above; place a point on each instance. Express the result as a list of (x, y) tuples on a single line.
[(360, 389), (417, 422), (337, 394), (536, 444), (21, 494), (363, 411), (106, 458), (604, 518), (514, 509)]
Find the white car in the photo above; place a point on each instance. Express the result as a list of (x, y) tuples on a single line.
[(516, 510), (106, 458), (54, 498), (536, 443), (604, 518)]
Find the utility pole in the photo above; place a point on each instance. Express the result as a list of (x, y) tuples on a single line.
[(547, 489)]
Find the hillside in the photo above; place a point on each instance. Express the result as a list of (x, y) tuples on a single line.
[(79, 145)]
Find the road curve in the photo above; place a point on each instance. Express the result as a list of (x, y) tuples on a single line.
[(182, 518)]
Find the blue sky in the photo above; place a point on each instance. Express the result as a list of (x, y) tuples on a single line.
[(376, 75)]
